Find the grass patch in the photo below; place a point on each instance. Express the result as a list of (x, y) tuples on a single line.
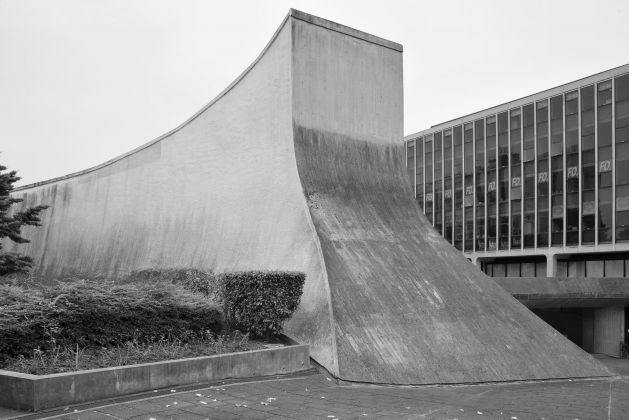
[(66, 358)]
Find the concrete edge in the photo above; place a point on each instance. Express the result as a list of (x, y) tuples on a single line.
[(337, 27), (292, 13), (169, 133), (39, 392)]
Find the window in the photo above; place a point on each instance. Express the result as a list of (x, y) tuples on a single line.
[(457, 135), (556, 126), (447, 184), (621, 91), (428, 189), (605, 182), (419, 192), (438, 205)]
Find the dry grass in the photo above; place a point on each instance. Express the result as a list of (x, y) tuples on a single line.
[(72, 358)]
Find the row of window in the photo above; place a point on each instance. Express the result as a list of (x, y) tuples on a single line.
[(554, 172)]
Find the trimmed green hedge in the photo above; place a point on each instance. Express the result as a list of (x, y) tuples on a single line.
[(100, 314), (258, 302)]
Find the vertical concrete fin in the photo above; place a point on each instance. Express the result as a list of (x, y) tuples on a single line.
[(407, 307)]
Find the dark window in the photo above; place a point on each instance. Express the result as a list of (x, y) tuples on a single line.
[(428, 191), (605, 181), (457, 134), (447, 184), (556, 126), (621, 88), (419, 193)]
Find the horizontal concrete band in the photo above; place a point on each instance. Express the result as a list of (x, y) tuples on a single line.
[(536, 292), (38, 392)]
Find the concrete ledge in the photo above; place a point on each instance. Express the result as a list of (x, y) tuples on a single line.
[(38, 392), (571, 292)]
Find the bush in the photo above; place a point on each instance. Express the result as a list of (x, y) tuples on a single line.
[(99, 314), (197, 281), (259, 302)]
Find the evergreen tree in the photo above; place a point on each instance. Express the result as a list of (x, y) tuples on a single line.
[(11, 225)]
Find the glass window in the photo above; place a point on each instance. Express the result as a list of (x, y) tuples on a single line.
[(468, 192), (419, 192), (479, 136), (542, 129), (410, 155), (605, 182), (557, 201), (604, 215), (428, 188), (622, 213), (438, 182), (457, 134), (543, 193), (556, 126), (528, 123), (492, 187), (588, 166), (621, 93), (447, 184)]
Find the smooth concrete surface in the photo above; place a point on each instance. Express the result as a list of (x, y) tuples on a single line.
[(38, 392), (608, 330), (298, 165)]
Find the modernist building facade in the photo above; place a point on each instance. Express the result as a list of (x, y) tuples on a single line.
[(537, 187)]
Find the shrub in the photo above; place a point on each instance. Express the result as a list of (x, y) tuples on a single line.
[(259, 302), (70, 358), (99, 314), (197, 281)]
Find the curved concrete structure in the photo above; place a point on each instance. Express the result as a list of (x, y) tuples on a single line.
[(298, 165)]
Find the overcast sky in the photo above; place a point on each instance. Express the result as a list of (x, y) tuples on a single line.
[(84, 81)]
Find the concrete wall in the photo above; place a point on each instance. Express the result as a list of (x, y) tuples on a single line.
[(168, 204), (39, 392), (299, 165), (608, 330)]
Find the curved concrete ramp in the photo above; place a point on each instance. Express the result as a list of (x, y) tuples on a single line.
[(298, 165)]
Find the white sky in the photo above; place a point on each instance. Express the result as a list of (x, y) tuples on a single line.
[(83, 81)]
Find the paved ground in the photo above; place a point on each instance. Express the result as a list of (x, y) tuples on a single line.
[(313, 396)]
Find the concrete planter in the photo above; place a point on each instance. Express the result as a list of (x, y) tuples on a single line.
[(38, 392)]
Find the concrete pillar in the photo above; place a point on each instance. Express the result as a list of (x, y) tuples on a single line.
[(551, 265), (609, 329)]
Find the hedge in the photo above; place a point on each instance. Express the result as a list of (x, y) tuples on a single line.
[(258, 302), (195, 280), (99, 314)]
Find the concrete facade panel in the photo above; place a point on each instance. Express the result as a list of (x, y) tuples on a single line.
[(576, 269), (528, 269), (594, 269), (614, 268), (609, 325), (513, 270), (540, 269), (562, 269)]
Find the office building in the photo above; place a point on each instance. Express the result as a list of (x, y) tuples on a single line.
[(534, 187)]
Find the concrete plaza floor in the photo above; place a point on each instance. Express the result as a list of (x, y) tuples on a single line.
[(314, 396)]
